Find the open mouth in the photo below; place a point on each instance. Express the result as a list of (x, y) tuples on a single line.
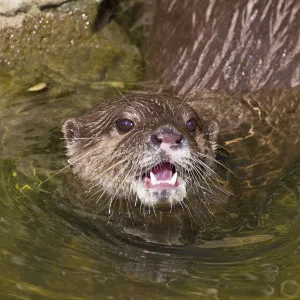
[(161, 176)]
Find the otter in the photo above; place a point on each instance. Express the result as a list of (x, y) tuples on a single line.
[(159, 150), (151, 149)]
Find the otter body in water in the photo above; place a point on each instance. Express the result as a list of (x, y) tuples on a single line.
[(158, 150), (240, 45)]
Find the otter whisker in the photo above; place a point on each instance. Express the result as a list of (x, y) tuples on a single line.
[(208, 169), (125, 177), (64, 168), (129, 208), (134, 163), (194, 209), (77, 138), (111, 208), (199, 171), (153, 210), (185, 207), (115, 194), (205, 203), (123, 96), (215, 161), (215, 185), (111, 181), (106, 171), (186, 98), (200, 185), (218, 146)]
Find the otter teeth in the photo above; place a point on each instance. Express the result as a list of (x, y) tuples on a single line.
[(174, 179), (154, 181)]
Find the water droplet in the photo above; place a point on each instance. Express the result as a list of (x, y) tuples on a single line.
[(284, 53)]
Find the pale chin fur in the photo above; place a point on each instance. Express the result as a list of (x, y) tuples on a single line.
[(153, 197)]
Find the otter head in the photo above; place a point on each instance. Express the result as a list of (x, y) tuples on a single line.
[(145, 149)]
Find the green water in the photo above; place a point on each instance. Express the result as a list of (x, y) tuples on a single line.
[(47, 251)]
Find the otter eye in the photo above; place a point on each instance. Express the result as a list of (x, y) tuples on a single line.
[(191, 125), (124, 125)]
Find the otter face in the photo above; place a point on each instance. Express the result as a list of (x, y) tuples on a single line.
[(143, 148)]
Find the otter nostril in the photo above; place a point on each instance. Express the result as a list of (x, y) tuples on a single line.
[(179, 139), (156, 139)]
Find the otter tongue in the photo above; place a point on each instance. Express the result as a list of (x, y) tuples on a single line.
[(163, 172)]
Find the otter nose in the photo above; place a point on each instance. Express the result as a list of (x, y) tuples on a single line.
[(166, 137)]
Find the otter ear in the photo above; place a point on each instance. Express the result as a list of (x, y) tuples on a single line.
[(71, 129)]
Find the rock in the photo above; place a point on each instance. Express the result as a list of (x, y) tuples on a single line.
[(13, 12), (57, 47), (14, 22), (10, 7), (13, 7), (53, 3)]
